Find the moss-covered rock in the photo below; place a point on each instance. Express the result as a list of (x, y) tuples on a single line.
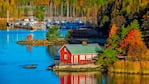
[(32, 66)]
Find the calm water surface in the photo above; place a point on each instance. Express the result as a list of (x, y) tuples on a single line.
[(13, 57)]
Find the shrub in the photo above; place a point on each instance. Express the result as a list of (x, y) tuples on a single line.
[(53, 33)]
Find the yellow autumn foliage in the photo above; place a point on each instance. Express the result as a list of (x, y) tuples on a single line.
[(132, 67)]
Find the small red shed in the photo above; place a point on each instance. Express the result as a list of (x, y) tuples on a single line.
[(79, 53), (29, 37)]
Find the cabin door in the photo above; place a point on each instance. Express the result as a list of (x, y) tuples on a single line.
[(75, 59)]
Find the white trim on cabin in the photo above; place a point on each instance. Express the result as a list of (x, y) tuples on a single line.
[(61, 48), (91, 56), (82, 57)]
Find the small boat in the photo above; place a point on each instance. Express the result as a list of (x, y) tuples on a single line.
[(57, 58), (50, 67)]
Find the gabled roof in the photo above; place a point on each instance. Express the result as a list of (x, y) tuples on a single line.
[(84, 48)]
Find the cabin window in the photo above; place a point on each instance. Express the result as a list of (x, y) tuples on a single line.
[(82, 57), (88, 57), (65, 56)]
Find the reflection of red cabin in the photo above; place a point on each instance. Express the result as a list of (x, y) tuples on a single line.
[(79, 53), (75, 78), (29, 47)]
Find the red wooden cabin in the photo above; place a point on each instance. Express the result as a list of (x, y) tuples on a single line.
[(79, 53)]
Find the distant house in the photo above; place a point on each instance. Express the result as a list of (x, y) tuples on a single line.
[(121, 56), (79, 53), (29, 37)]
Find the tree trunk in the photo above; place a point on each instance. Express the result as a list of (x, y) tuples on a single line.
[(67, 9), (62, 10), (7, 15), (51, 13), (55, 11), (74, 11)]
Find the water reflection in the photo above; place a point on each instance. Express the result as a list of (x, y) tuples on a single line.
[(53, 50), (128, 79), (7, 38), (101, 78), (79, 77), (29, 47)]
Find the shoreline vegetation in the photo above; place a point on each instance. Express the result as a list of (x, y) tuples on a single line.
[(130, 67), (3, 24)]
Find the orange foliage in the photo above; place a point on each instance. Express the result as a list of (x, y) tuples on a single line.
[(42, 2), (11, 2), (132, 38), (134, 44), (111, 34), (113, 30), (81, 2)]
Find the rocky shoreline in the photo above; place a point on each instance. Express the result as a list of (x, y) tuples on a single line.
[(42, 42), (76, 68)]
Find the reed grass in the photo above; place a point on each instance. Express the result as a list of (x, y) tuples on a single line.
[(3, 25), (132, 67)]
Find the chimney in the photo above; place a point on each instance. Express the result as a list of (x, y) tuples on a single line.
[(84, 42)]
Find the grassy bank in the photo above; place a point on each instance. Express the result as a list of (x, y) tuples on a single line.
[(136, 67), (42, 42)]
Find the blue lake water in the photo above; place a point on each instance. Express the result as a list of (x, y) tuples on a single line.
[(14, 56)]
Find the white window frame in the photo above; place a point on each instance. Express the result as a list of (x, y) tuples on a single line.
[(88, 57), (65, 56), (82, 57)]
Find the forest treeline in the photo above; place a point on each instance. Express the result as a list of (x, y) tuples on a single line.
[(51, 8), (103, 13), (73, 8), (122, 13), (126, 22)]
